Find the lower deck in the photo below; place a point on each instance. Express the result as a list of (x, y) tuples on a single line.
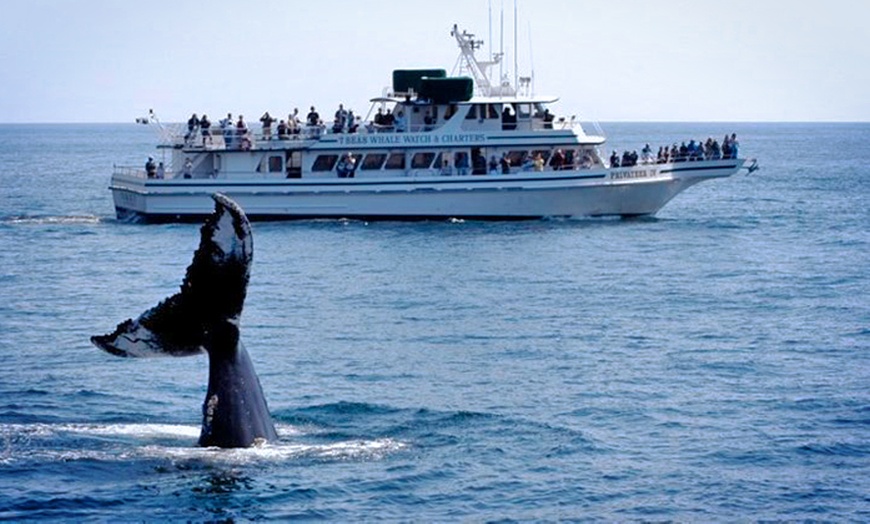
[(630, 191)]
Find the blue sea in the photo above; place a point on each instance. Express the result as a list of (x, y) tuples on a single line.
[(708, 364)]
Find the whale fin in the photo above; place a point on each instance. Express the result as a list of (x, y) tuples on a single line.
[(213, 290)]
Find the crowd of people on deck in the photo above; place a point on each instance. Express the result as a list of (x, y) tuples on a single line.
[(691, 152), (236, 134)]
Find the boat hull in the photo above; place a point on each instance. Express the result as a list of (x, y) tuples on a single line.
[(639, 190)]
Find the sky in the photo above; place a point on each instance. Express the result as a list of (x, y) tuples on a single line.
[(613, 60)]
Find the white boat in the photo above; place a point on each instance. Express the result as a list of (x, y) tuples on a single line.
[(456, 147)]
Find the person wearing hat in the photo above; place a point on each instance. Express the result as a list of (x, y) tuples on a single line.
[(150, 168)]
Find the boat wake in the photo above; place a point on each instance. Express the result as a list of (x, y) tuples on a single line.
[(28, 220), (21, 444)]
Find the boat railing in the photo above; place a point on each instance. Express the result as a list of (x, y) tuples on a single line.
[(169, 174), (138, 172), (253, 139), (128, 171)]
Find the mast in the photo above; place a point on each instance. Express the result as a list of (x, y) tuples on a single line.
[(479, 70)]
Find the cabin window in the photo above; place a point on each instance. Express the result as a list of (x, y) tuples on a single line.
[(493, 111), (422, 160), (324, 163), (396, 161), (523, 110), (472, 113), (373, 161), (516, 157), (276, 164)]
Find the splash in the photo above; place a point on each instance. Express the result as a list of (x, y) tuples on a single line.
[(173, 442)]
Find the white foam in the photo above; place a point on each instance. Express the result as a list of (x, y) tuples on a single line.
[(135, 430), (73, 219), (280, 451), (16, 444)]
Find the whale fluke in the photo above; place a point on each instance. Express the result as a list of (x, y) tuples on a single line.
[(204, 316)]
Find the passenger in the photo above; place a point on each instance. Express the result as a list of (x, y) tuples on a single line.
[(161, 171), (586, 161), (192, 125), (205, 125), (493, 165), (227, 130), (478, 164), (735, 145), (241, 127), (445, 166), (428, 121), (508, 120), (558, 160), (336, 126), (717, 152), (379, 117), (699, 151), (569, 160), (646, 154), (282, 130), (684, 153), (346, 166), (693, 150), (401, 123), (293, 122), (313, 117), (352, 124), (340, 118), (150, 168), (389, 120), (526, 163), (626, 159), (267, 121), (538, 162), (614, 159), (548, 119), (187, 170), (461, 162), (505, 164), (660, 156)]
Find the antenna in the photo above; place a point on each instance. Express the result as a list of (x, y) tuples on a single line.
[(490, 30), (516, 48), (531, 59), (501, 44)]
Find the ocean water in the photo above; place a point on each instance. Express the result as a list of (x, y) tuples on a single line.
[(709, 364)]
